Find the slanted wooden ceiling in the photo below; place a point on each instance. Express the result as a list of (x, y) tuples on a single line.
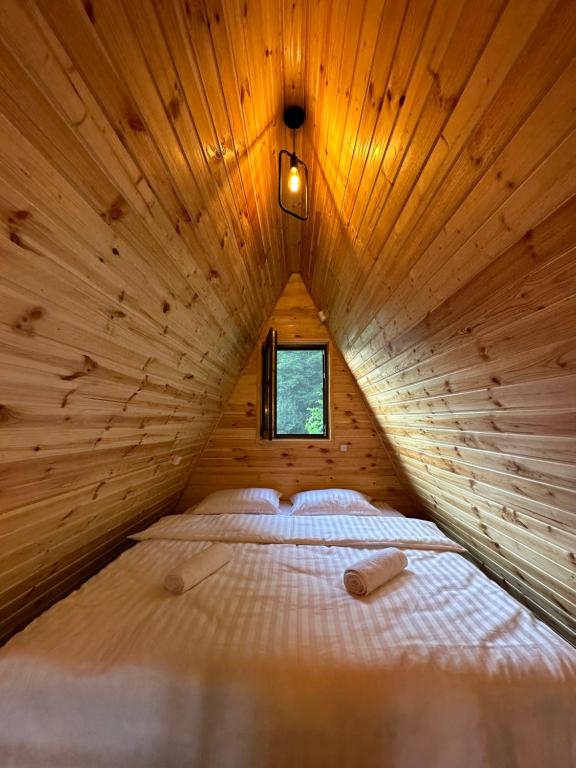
[(142, 248), (442, 247)]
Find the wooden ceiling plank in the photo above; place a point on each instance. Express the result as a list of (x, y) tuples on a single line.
[(177, 95), (190, 217), (534, 73), (254, 55), (124, 215), (415, 21), (491, 349), (501, 283), (359, 93), (115, 29)]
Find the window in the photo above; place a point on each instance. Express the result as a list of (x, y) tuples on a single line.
[(294, 390)]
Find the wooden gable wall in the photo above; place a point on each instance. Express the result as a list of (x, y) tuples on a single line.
[(236, 457)]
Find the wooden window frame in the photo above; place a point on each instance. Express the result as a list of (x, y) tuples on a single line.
[(268, 388)]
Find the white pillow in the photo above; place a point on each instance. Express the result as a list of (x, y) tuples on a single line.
[(332, 501), (243, 501)]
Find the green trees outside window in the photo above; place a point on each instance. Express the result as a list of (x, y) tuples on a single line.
[(300, 392), (294, 389)]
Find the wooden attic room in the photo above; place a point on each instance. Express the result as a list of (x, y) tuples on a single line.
[(287, 383)]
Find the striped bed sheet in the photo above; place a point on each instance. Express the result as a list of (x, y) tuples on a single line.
[(332, 530), (270, 662), (286, 508)]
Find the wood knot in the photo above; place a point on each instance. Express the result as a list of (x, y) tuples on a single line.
[(136, 123), (6, 414), (173, 108), (25, 323), (89, 8), (115, 212), (88, 365)]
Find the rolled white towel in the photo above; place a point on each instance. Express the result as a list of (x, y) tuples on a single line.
[(197, 568), (368, 574)]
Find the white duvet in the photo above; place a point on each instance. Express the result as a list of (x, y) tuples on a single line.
[(270, 662), (332, 530)]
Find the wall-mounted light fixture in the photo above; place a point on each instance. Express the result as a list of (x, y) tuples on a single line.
[(292, 172)]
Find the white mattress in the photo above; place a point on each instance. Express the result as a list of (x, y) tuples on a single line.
[(270, 662)]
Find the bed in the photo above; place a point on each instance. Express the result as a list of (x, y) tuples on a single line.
[(269, 662)]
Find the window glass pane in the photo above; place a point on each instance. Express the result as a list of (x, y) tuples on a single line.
[(300, 392)]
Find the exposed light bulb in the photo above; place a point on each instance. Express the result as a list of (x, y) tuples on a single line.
[(294, 179)]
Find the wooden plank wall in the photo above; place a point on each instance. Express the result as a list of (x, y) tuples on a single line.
[(141, 250), (235, 457), (442, 247)]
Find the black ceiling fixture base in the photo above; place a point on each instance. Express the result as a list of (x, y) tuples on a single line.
[(294, 116)]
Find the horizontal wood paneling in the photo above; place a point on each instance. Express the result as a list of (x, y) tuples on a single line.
[(444, 257), (235, 457), (141, 251)]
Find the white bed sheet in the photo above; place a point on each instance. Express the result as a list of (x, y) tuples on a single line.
[(333, 530), (286, 508), (271, 663)]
